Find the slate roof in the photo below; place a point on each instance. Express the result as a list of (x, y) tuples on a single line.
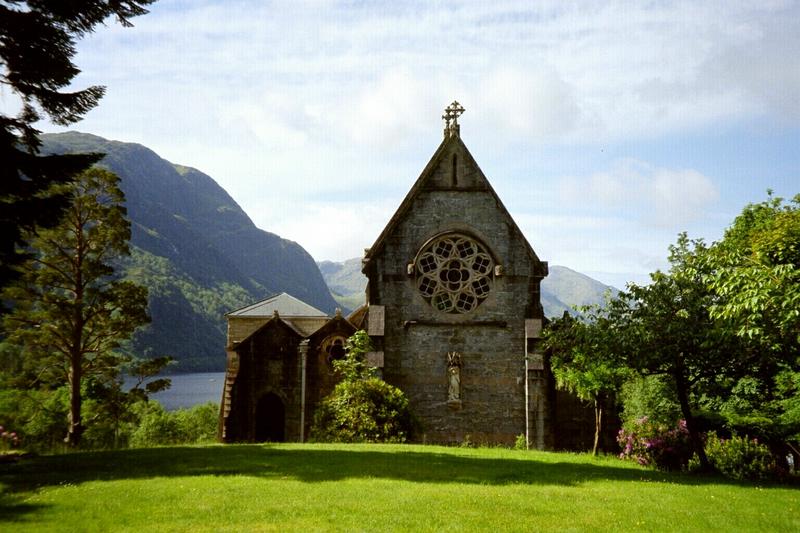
[(286, 305)]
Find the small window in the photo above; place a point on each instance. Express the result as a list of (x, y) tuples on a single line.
[(334, 348)]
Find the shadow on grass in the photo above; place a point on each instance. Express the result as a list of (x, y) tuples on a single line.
[(311, 464), (12, 510), (314, 464)]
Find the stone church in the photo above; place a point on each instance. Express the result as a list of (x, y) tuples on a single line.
[(453, 311)]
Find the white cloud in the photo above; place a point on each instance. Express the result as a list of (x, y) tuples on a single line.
[(679, 196), (327, 230), (596, 244), (662, 196), (531, 102), (373, 74), (271, 118), (387, 112), (764, 69)]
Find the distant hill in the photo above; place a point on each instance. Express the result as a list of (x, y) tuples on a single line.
[(195, 249), (345, 281), (562, 289)]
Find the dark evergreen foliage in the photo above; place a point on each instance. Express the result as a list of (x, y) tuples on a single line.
[(37, 43)]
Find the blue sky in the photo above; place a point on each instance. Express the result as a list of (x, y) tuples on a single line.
[(605, 127)]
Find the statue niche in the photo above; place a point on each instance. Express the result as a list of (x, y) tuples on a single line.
[(454, 379)]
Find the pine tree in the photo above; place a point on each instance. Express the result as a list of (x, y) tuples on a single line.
[(71, 311)]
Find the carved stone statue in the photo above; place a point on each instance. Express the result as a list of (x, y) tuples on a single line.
[(453, 377), (454, 384)]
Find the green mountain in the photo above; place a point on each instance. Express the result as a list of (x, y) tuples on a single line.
[(195, 249), (562, 289)]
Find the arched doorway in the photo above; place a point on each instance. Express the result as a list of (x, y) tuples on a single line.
[(270, 419)]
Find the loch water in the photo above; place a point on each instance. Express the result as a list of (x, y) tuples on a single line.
[(191, 389)]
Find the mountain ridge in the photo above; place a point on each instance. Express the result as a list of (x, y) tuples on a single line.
[(196, 250)]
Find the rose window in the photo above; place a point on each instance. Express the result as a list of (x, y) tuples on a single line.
[(454, 273)]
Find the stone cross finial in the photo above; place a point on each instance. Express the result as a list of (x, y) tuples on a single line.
[(450, 117)]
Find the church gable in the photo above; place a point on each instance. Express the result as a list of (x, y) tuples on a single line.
[(454, 169), (452, 202), (278, 368), (273, 338), (261, 400), (453, 194)]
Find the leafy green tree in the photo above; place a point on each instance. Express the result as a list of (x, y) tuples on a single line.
[(583, 364), (361, 408), (756, 273), (71, 313), (354, 366), (665, 329), (722, 325), (37, 415), (37, 42)]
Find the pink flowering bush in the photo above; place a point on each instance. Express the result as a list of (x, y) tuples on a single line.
[(651, 444), (8, 440)]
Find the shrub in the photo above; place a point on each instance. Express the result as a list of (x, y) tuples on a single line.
[(368, 410), (521, 443), (198, 424), (740, 457), (37, 417), (158, 427), (361, 408), (654, 444)]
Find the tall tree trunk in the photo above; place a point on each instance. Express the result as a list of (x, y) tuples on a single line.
[(598, 424), (682, 388), (75, 422)]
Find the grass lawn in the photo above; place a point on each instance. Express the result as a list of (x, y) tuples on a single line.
[(374, 487)]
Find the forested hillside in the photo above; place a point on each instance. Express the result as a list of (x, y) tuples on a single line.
[(195, 249)]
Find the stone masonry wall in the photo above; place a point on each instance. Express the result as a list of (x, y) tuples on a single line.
[(490, 338), (268, 364)]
